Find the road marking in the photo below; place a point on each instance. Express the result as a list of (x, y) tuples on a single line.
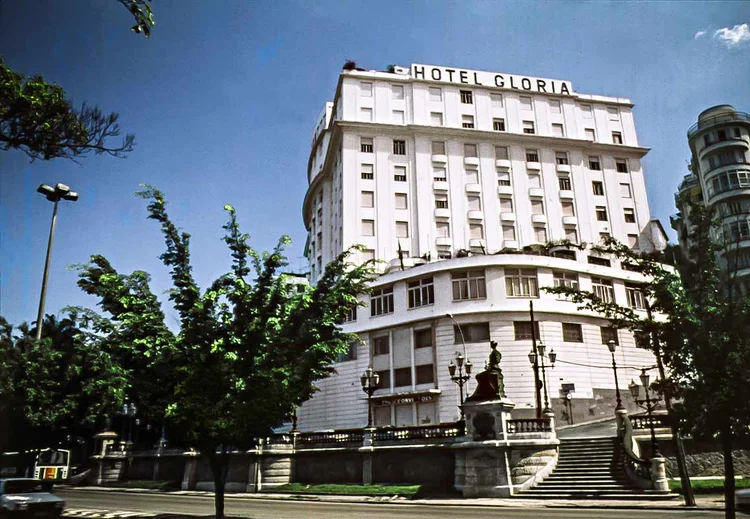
[(94, 513)]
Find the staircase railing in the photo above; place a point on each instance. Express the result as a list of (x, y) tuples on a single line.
[(529, 425), (637, 469)]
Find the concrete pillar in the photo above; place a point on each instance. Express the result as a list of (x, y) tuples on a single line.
[(659, 474), (366, 452), (190, 473), (253, 474)]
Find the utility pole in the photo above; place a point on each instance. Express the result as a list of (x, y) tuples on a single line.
[(537, 383)]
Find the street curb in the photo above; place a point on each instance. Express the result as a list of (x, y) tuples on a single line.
[(396, 500)]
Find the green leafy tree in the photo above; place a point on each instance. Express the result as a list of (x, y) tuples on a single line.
[(250, 346), (142, 14), (698, 325)]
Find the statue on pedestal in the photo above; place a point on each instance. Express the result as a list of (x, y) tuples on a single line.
[(490, 385)]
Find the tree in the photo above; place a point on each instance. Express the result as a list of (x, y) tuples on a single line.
[(698, 323), (250, 346), (144, 17)]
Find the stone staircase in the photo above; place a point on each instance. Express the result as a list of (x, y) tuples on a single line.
[(589, 468)]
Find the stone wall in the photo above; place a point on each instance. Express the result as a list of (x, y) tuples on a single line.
[(432, 467), (531, 463), (703, 458), (328, 467)]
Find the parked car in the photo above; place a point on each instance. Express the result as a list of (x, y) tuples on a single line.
[(742, 500), (26, 497)]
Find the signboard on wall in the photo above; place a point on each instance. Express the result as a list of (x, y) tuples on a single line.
[(491, 79)]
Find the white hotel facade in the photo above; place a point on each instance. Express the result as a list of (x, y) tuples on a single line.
[(453, 166)]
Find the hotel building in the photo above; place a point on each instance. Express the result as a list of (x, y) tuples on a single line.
[(455, 180)]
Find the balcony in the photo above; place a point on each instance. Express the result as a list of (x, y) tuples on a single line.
[(729, 142), (440, 185), (569, 220), (534, 166), (502, 163), (475, 215), (443, 241), (441, 159), (567, 194), (471, 161), (563, 168), (536, 192), (473, 188), (538, 218), (442, 213), (505, 190), (708, 122), (508, 217)]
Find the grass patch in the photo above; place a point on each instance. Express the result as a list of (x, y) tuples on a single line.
[(708, 486), (145, 484), (352, 490)]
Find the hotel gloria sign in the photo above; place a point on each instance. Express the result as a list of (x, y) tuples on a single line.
[(491, 79)]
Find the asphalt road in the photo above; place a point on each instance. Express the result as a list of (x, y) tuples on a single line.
[(257, 508)]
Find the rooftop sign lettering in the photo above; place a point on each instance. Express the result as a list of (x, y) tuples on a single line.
[(491, 79)]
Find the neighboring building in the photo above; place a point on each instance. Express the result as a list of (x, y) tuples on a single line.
[(450, 167), (720, 178)]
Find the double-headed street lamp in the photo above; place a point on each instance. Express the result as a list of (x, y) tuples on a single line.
[(53, 194), (612, 345), (536, 357), (649, 405), (461, 378), (369, 380)]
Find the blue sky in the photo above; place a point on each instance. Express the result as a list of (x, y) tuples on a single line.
[(223, 99)]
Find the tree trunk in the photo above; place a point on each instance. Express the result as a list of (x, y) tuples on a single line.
[(219, 463), (726, 447)]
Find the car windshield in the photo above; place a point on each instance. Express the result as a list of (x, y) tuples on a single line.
[(22, 487)]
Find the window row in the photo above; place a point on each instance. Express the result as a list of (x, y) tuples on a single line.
[(728, 180)]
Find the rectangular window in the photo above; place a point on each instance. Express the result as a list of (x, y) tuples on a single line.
[(561, 157), (565, 279), (601, 213), (472, 176), (474, 203), (558, 130), (381, 346), (613, 113), (632, 241), (568, 209), (635, 297), (554, 106), (564, 183), (497, 100), (474, 332), (587, 111), (503, 178), (625, 191), (367, 171), (438, 148), (594, 164), (401, 201), (609, 333), (621, 165), (443, 228), (602, 288), (399, 173), (402, 229), (468, 284), (368, 227), (436, 94), (368, 255), (385, 383), (603, 236), (522, 330), (425, 374), (399, 117), (590, 134), (436, 119), (532, 156), (498, 124), (616, 138), (528, 127), (399, 147), (441, 202), (397, 91), (602, 262), (537, 207), (572, 332), (365, 89), (470, 150), (402, 377), (509, 233), (526, 103), (351, 316), (571, 234), (597, 187), (521, 283), (365, 144), (423, 338), (501, 153), (350, 354), (466, 97), (540, 234), (629, 214), (467, 121), (421, 293), (506, 205), (366, 114), (381, 301), (368, 199), (476, 231)]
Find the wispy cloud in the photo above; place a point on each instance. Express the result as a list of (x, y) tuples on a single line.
[(699, 34), (733, 37)]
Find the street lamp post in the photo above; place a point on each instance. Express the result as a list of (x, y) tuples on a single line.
[(464, 374), (53, 194), (369, 380), (612, 347), (128, 413), (649, 405), (536, 357)]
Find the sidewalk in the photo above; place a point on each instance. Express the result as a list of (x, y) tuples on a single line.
[(703, 502)]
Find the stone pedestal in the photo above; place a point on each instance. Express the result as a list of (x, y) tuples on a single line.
[(659, 474)]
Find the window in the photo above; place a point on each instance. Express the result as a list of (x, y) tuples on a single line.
[(501, 153), (629, 214), (366, 172), (470, 150), (368, 255), (399, 147), (558, 130), (368, 227), (561, 157), (509, 233), (397, 91), (571, 234), (401, 201), (467, 121), (540, 234), (625, 191), (633, 241), (609, 333), (603, 237), (425, 374), (474, 203), (613, 113), (436, 119), (503, 178), (601, 213), (522, 330), (597, 187), (436, 94), (528, 127), (564, 183), (532, 156), (506, 205), (366, 114), (468, 284), (602, 262), (399, 173), (565, 279), (590, 134), (587, 111), (572, 332), (399, 117), (498, 124), (402, 377), (521, 283), (438, 148), (365, 144), (602, 288), (402, 229), (368, 199), (443, 228), (350, 354), (621, 165), (497, 100), (641, 340), (537, 207), (594, 164), (381, 346), (635, 297), (472, 176), (476, 231), (441, 202), (466, 97), (421, 293), (554, 106), (423, 338), (475, 332), (365, 89), (381, 301), (616, 138), (568, 209), (535, 181), (385, 383), (351, 315), (526, 103)]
